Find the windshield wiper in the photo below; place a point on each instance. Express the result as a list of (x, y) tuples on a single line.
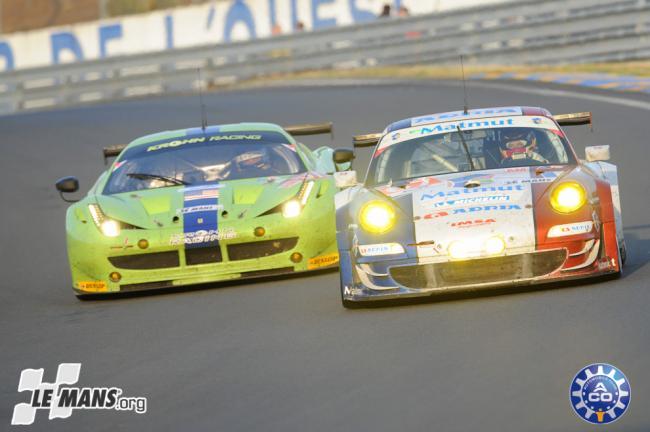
[(469, 155), (145, 176)]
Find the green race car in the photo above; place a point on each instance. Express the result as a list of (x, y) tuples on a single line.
[(203, 205)]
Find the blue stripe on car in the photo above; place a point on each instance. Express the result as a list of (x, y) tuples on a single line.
[(200, 215)]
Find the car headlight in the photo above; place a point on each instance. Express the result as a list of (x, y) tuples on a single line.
[(291, 208), (458, 250), (377, 217), (568, 197), (494, 246), (108, 227)]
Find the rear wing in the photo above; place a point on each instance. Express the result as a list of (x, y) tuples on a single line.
[(310, 129), (112, 151), (573, 119), (368, 140)]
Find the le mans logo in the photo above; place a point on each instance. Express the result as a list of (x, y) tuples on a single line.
[(60, 398), (600, 393)]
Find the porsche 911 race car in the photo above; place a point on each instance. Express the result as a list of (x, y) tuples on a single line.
[(475, 199), (203, 205)]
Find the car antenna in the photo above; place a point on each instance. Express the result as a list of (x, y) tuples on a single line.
[(462, 71), (204, 118)]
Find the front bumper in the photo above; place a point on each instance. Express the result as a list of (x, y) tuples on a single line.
[(381, 279), (282, 249)]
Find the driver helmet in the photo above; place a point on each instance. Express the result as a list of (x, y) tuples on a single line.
[(517, 143), (258, 158)]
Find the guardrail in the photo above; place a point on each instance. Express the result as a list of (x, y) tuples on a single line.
[(525, 32)]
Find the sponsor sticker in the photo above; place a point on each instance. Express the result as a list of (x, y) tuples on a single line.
[(92, 286), (471, 191), (474, 114), (381, 249), (474, 209), (472, 223), (200, 208), (60, 398), (570, 229), (323, 261), (202, 236)]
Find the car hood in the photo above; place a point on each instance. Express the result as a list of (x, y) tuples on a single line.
[(475, 206), (236, 199)]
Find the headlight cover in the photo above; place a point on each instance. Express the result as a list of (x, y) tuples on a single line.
[(108, 227), (291, 208), (377, 217), (568, 197)]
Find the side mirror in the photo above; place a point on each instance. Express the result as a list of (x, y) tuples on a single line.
[(597, 153), (343, 155), (67, 185), (345, 179)]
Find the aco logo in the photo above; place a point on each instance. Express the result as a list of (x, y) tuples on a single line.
[(600, 393)]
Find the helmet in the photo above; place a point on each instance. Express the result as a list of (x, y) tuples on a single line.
[(258, 158), (517, 143)]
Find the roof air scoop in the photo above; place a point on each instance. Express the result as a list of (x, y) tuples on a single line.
[(472, 184)]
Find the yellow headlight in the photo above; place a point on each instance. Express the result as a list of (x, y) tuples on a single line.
[(110, 228), (568, 197), (494, 246), (377, 217), (458, 250)]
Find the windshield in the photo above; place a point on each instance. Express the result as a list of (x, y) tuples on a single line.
[(201, 159), (442, 150)]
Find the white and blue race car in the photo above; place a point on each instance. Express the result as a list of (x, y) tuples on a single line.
[(476, 199)]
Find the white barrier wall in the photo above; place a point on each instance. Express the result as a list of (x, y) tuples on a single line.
[(211, 23)]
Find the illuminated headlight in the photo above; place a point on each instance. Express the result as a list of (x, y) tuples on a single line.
[(458, 250), (568, 197), (377, 217), (494, 246), (291, 208), (110, 228)]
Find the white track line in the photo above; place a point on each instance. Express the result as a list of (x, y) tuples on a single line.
[(537, 90), (565, 93)]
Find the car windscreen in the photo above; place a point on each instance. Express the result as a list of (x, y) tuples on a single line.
[(197, 160), (442, 150)]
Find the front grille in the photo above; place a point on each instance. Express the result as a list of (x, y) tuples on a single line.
[(478, 271), (146, 261), (265, 273), (145, 286), (204, 255), (260, 249)]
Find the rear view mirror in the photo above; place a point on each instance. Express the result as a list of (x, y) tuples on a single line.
[(345, 179), (597, 153), (343, 155), (67, 185)]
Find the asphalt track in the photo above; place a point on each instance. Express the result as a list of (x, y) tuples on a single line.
[(282, 354)]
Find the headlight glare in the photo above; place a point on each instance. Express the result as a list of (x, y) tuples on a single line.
[(291, 208), (377, 217), (494, 246), (568, 197), (110, 228), (458, 250)]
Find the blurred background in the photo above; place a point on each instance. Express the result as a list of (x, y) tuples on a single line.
[(65, 52)]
